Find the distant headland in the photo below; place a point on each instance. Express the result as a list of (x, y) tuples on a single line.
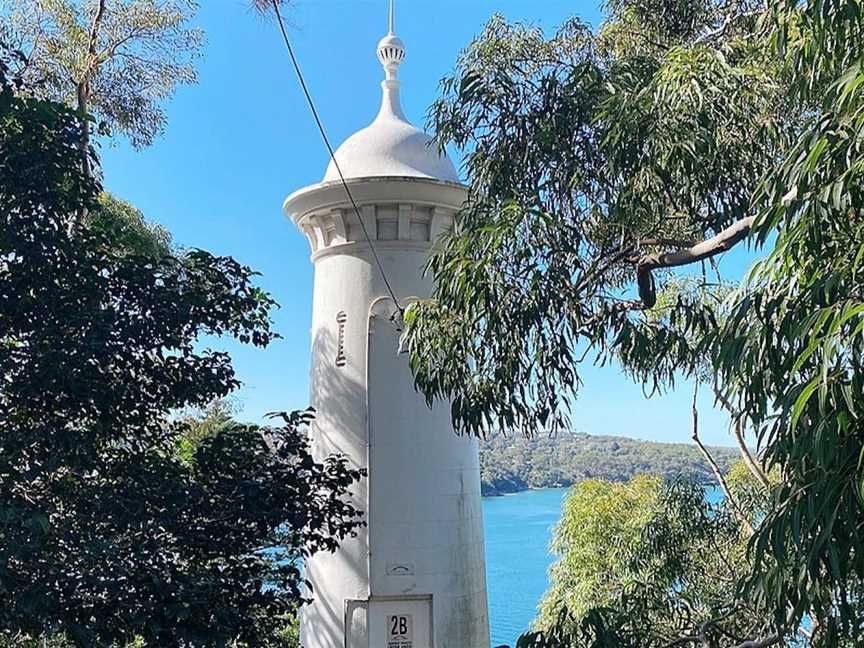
[(513, 464)]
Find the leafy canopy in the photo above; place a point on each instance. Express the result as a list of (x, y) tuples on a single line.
[(119, 60), (790, 355), (601, 162), (107, 534), (646, 564), (588, 156)]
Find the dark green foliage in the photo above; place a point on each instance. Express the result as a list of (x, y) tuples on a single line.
[(105, 534), (512, 464), (54, 641)]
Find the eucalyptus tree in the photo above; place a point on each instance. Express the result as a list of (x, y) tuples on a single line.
[(645, 564), (590, 156), (117, 60), (790, 354), (602, 164)]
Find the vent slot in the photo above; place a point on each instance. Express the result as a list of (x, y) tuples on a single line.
[(341, 319)]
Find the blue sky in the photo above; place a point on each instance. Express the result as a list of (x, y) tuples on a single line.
[(242, 139)]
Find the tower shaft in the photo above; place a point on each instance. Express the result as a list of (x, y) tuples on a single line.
[(418, 566)]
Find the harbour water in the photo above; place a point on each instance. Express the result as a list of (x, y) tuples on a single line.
[(518, 531)]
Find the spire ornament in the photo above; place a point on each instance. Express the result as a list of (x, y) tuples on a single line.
[(391, 49), (390, 147)]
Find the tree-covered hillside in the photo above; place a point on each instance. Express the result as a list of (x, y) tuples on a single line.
[(511, 464)]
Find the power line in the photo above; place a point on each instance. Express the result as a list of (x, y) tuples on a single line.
[(326, 139)]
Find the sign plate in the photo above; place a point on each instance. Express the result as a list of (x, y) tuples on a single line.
[(400, 631)]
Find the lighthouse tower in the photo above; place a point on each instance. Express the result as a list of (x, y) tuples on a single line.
[(414, 577)]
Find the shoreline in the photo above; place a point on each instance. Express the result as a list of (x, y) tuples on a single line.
[(492, 492)]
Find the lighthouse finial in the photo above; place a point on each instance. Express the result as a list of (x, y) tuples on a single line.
[(391, 49)]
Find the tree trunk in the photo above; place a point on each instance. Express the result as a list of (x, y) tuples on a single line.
[(83, 87), (83, 96)]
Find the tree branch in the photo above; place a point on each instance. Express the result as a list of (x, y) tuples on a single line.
[(82, 89), (94, 29), (683, 243), (719, 31), (760, 643), (599, 269), (715, 468), (724, 241), (111, 49), (28, 60), (738, 433), (750, 462), (93, 39)]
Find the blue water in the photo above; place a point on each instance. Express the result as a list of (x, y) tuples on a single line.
[(518, 531)]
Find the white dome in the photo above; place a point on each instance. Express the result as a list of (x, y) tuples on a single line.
[(391, 146)]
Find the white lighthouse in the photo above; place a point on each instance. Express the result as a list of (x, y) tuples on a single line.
[(415, 576)]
